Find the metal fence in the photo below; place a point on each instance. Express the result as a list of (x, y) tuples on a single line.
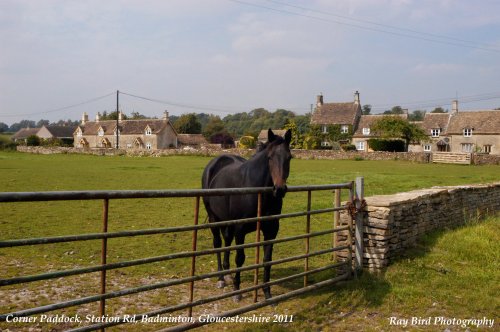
[(190, 279)]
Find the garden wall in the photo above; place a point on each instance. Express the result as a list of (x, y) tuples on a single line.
[(392, 223)]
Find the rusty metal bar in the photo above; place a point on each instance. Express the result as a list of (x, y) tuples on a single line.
[(153, 231), (104, 254), (257, 248), (186, 254), (336, 220), (308, 231), (129, 291), (193, 258), (126, 194)]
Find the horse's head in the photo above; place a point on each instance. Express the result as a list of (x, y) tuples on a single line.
[(279, 156)]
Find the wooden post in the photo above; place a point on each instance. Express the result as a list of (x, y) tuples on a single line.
[(358, 235), (336, 221)]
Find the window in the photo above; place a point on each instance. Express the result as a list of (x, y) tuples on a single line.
[(148, 131), (467, 132), (366, 131), (100, 132), (360, 146), (467, 147), (487, 149), (129, 145), (325, 143), (324, 129), (427, 147), (148, 146), (344, 129), (435, 132)]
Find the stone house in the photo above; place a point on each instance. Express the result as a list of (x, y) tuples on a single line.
[(63, 133), (22, 134), (342, 117), (462, 131), (262, 138), (150, 134)]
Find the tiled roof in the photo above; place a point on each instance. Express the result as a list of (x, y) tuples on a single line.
[(335, 113), (366, 121), (435, 121), (61, 131), (481, 122), (191, 139), (127, 127), (24, 133)]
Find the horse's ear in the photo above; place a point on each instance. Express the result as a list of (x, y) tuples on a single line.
[(288, 136), (270, 135)]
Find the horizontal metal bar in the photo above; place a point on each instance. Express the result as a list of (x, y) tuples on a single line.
[(149, 260), (209, 299), (153, 231), (145, 288), (125, 194)]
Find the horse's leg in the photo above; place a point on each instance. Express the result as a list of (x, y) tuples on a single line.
[(218, 244), (240, 259), (268, 256), (228, 235)]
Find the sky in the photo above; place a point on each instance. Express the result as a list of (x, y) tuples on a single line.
[(60, 58)]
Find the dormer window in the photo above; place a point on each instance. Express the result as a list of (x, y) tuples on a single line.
[(435, 132), (100, 132), (148, 131), (344, 129), (324, 129), (366, 131), (467, 132)]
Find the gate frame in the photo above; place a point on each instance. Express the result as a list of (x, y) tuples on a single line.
[(354, 232)]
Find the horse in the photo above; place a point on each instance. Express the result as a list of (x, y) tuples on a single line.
[(268, 167)]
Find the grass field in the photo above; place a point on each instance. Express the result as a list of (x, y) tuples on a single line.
[(26, 172)]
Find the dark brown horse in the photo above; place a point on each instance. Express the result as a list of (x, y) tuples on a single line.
[(269, 167)]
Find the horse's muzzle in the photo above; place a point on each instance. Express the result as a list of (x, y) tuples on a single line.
[(279, 191)]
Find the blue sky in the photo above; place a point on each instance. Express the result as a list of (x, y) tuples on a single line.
[(221, 56)]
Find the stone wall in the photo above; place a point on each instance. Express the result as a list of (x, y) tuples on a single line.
[(393, 223), (213, 150)]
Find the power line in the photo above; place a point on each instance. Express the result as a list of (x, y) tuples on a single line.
[(377, 23), (61, 108), (365, 27)]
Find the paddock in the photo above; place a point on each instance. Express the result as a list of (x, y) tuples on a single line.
[(192, 289)]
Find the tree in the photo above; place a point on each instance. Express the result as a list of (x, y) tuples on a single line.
[(42, 123), (397, 127), (367, 109), (416, 115), (213, 126), (439, 110), (188, 124), (3, 127), (137, 116), (22, 124), (112, 116), (297, 138)]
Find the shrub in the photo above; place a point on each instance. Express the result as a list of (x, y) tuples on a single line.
[(348, 147), (386, 145), (33, 140)]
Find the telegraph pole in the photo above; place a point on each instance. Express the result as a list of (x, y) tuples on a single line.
[(117, 116)]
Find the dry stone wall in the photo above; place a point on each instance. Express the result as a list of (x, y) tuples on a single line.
[(393, 223)]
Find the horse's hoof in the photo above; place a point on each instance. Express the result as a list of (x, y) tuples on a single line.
[(221, 284), (228, 279), (237, 298)]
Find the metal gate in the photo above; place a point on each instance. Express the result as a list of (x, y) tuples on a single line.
[(355, 195)]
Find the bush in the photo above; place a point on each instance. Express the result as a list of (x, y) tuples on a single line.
[(386, 145), (33, 140), (6, 144), (348, 147), (247, 142)]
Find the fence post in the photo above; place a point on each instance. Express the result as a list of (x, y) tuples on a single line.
[(257, 248), (336, 222), (308, 230), (358, 239)]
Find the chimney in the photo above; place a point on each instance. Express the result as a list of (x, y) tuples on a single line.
[(97, 117), (356, 97), (85, 118), (120, 116), (165, 115), (319, 100), (454, 106)]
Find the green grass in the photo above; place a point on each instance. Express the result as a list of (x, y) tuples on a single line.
[(27, 172)]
